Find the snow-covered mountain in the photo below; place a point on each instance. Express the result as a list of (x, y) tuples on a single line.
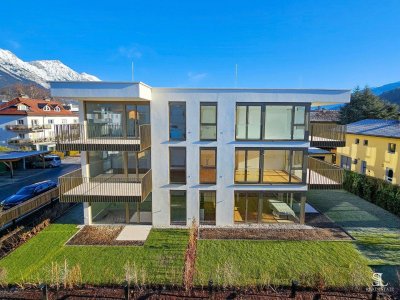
[(14, 70)]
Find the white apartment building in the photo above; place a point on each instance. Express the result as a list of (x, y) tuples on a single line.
[(30, 123), (166, 156)]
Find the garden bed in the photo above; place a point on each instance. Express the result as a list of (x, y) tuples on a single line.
[(100, 236), (315, 234)]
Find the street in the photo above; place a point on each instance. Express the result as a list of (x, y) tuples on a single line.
[(10, 186)]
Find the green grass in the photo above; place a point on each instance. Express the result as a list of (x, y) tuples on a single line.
[(160, 260), (377, 231), (240, 263)]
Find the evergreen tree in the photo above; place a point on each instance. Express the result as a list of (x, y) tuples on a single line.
[(365, 105)]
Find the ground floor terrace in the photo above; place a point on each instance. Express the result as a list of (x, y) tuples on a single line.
[(250, 207)]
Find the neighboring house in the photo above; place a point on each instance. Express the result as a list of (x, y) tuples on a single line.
[(29, 123), (166, 156), (372, 148), (326, 121)]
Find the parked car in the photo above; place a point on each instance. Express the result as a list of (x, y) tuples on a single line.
[(50, 161), (27, 193)]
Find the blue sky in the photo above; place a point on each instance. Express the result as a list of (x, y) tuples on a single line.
[(282, 43)]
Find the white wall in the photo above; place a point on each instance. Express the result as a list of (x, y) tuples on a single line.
[(225, 144)]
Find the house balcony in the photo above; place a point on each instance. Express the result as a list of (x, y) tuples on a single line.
[(327, 135), (28, 142), (74, 187), (25, 128), (102, 137), (322, 175)]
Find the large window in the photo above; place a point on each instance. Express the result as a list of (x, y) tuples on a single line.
[(267, 207), (207, 207), (116, 119), (345, 162), (178, 207), (177, 121), (271, 122), (247, 166), (248, 122), (177, 165), (269, 166), (208, 165), (208, 121)]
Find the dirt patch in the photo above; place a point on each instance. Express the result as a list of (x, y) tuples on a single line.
[(101, 236), (161, 293), (317, 234)]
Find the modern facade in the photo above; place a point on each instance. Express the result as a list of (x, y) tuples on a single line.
[(372, 148), (29, 123), (166, 156)]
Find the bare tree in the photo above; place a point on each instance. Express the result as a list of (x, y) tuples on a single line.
[(31, 90)]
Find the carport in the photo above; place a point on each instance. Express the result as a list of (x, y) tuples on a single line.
[(8, 158)]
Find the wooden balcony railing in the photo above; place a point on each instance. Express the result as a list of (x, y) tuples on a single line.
[(327, 135), (104, 188), (22, 142), (101, 137), (323, 175), (22, 209), (145, 136)]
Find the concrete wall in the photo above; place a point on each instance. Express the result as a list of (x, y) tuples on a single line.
[(225, 144)]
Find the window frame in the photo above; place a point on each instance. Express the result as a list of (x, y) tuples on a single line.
[(169, 165), (365, 142), (179, 223), (387, 178), (390, 149), (169, 120), (215, 199), (263, 106), (261, 165), (356, 141), (209, 124), (200, 166)]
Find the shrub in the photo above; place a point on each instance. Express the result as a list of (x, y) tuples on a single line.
[(375, 190)]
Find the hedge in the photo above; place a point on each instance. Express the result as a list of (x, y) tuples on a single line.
[(375, 190)]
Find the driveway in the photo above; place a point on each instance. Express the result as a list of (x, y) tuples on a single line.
[(9, 186)]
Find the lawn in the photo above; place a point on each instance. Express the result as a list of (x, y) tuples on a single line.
[(45, 258), (376, 230), (239, 263)]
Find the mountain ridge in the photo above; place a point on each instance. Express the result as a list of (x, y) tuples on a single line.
[(14, 70)]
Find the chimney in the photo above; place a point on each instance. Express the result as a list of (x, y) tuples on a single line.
[(48, 99), (22, 95)]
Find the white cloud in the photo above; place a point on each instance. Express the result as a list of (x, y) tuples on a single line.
[(130, 52), (14, 44), (196, 77)]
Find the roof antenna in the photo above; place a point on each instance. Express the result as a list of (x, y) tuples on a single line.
[(236, 75), (132, 73)]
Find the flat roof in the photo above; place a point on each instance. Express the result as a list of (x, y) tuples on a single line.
[(17, 155)]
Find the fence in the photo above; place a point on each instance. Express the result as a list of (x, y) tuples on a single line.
[(327, 135), (28, 206), (324, 175)]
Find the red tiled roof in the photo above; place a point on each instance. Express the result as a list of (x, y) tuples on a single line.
[(9, 108)]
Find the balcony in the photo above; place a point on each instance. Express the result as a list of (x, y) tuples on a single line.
[(27, 142), (105, 187), (25, 128), (322, 175), (102, 137), (327, 135)]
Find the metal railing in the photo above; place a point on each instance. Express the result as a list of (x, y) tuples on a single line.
[(324, 175), (22, 209), (104, 188), (26, 128), (327, 135), (101, 137), (18, 141)]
